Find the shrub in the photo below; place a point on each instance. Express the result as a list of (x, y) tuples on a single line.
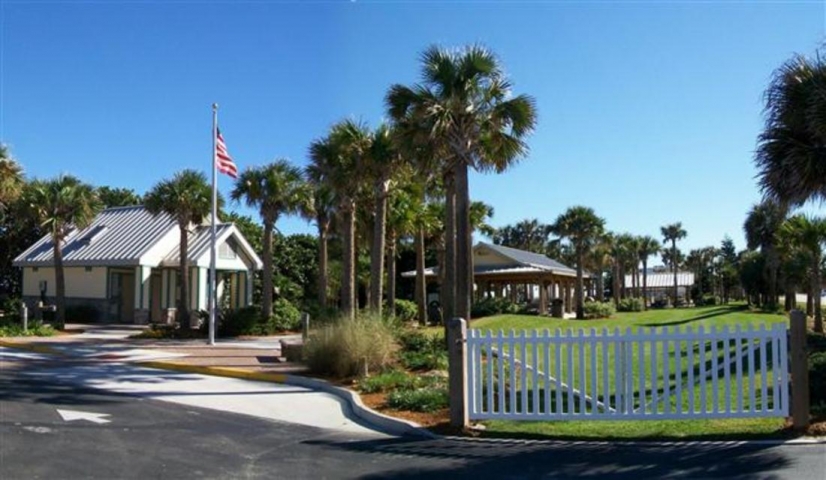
[(16, 330), (405, 310), (630, 305), (421, 351), (81, 314), (243, 321), (285, 317), (598, 309), (345, 347), (422, 400), (392, 380), (493, 306), (817, 378), (815, 342), (413, 340), (709, 300)]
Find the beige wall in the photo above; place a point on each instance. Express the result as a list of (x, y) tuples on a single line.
[(79, 282)]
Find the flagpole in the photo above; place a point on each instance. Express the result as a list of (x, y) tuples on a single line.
[(211, 278)]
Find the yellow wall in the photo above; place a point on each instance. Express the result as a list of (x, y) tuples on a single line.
[(79, 282)]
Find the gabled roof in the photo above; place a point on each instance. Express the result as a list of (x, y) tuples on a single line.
[(525, 258), (117, 236), (122, 236), (199, 244)]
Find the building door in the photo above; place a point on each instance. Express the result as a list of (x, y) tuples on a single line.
[(155, 296), (122, 296)]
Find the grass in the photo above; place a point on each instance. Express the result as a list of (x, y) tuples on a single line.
[(576, 362), (720, 315)]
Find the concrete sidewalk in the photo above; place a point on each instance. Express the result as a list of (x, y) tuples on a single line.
[(185, 371)]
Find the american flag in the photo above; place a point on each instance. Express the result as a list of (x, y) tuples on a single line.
[(223, 161)]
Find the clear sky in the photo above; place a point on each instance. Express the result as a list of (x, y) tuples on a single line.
[(648, 111)]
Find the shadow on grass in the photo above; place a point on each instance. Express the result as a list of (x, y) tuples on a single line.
[(715, 312)]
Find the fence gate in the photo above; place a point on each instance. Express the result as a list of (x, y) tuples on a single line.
[(648, 374)]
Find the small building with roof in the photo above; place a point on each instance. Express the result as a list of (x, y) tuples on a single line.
[(499, 270), (659, 285), (124, 267)]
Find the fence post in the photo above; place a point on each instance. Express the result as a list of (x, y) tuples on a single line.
[(24, 316), (305, 326), (800, 370), (457, 372)]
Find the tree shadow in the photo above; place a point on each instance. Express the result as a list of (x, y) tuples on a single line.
[(715, 312), (489, 458)]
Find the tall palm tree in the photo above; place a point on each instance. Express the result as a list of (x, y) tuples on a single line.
[(464, 103), (381, 161), (61, 205), (648, 246), (790, 159), (187, 198), (11, 179), (672, 233), (338, 158), (809, 233), (761, 227), (322, 210), (274, 190), (582, 227), (118, 197)]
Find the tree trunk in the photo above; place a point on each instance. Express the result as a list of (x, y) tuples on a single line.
[(183, 304), (772, 261), (448, 290), (421, 283), (377, 252), (348, 275), (391, 272), (60, 285), (323, 226), (645, 284), (600, 282), (616, 283), (266, 281), (580, 309), (674, 265), (464, 245), (817, 286)]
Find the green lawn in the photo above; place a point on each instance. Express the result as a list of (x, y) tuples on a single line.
[(577, 361), (736, 314)]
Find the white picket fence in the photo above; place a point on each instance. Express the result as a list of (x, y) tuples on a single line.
[(648, 374)]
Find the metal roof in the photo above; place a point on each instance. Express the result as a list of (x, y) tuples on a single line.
[(524, 257), (664, 279), (117, 236), (199, 243)]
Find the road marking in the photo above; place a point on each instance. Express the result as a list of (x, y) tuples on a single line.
[(72, 415)]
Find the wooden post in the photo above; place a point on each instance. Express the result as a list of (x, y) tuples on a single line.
[(543, 298), (800, 370), (457, 372), (305, 326), (24, 316)]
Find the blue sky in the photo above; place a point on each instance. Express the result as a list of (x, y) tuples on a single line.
[(648, 111)]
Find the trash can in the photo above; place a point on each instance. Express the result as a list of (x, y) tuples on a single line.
[(556, 308)]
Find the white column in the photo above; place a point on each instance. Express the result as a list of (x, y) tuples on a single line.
[(142, 287)]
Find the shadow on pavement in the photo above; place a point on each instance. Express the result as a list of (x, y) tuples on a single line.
[(473, 458)]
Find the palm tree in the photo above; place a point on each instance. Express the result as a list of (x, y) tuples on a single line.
[(338, 158), (790, 159), (274, 190), (582, 227), (187, 198), (61, 205), (809, 233), (761, 227), (11, 179), (322, 210), (672, 233), (382, 160), (648, 246), (118, 197), (465, 105)]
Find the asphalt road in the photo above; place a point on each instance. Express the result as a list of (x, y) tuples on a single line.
[(147, 438)]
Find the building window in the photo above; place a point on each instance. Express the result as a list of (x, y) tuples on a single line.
[(88, 269)]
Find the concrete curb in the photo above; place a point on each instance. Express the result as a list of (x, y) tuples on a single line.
[(31, 347), (391, 425)]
